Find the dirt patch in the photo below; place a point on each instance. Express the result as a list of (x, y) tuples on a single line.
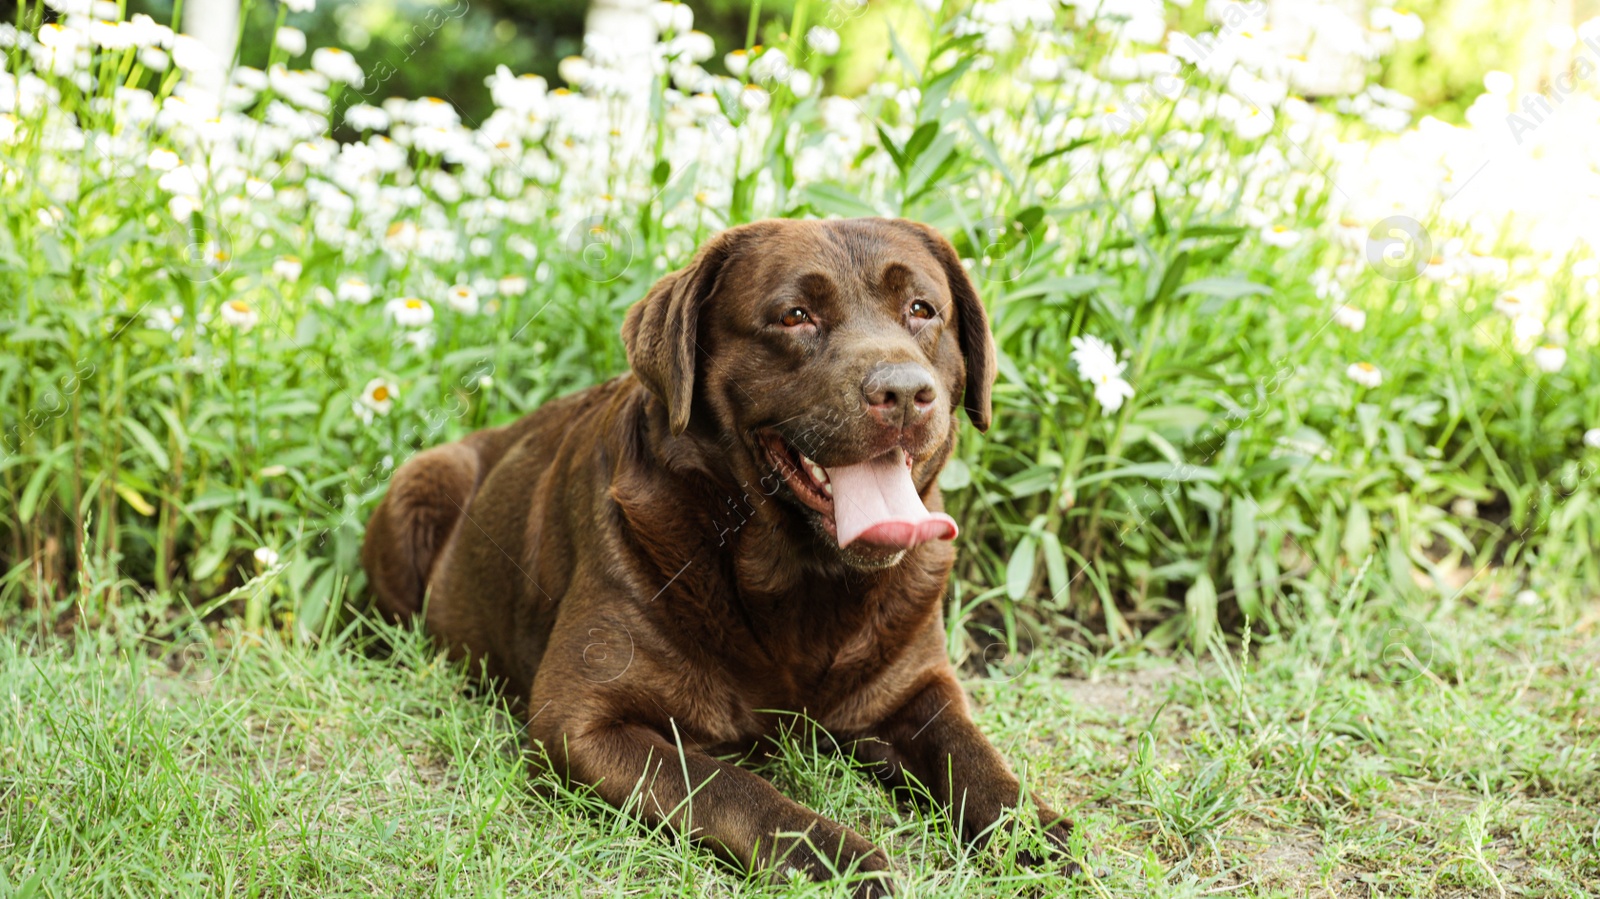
[(1124, 693)]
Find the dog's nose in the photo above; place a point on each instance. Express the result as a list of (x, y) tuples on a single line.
[(899, 393)]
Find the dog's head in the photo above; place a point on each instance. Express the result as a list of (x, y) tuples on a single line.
[(828, 358)]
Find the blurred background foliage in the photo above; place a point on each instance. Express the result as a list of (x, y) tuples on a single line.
[(1444, 74)]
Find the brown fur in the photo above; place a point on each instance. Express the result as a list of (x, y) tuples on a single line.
[(627, 561)]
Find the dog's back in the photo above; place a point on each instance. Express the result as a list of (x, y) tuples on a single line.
[(435, 508)]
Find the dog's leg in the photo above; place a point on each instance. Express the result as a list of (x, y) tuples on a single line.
[(933, 741), (425, 499), (740, 815)]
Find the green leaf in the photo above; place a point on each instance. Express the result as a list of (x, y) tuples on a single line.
[(36, 483), (1171, 279), (1043, 158), (1224, 288), (903, 57), (207, 560), (1037, 479), (1155, 471), (831, 199), (1200, 602), (148, 442), (134, 499), (1066, 286), (1019, 571), (991, 153), (1055, 566), (957, 474), (1357, 541)]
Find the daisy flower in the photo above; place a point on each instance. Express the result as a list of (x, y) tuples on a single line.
[(288, 268), (1350, 317), (377, 398), (1550, 358), (1097, 363), (1094, 358), (354, 290), (240, 314), (1252, 122), (1591, 438), (290, 40), (1364, 373), (1109, 392), (462, 298), (409, 312), (1281, 236), (822, 39), (163, 160), (337, 65)]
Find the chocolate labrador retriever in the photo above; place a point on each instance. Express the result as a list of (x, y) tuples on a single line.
[(743, 533)]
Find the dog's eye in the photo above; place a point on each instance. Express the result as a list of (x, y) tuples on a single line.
[(922, 309), (796, 317)]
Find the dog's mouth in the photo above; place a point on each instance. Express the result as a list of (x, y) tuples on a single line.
[(874, 502)]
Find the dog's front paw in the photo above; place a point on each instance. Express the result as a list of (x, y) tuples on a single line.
[(842, 854), (1056, 854)]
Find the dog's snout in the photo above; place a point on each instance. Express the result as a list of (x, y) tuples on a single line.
[(899, 393)]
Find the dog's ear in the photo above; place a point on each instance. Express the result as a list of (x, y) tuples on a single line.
[(973, 335), (659, 332)]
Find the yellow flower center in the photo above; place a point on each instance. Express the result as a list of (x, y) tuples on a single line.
[(239, 306), (1367, 367), (413, 303), (380, 393)]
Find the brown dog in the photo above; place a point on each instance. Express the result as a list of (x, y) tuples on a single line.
[(675, 564)]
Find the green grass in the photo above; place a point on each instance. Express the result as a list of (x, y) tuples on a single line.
[(1457, 755)]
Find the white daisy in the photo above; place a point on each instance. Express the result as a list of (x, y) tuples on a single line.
[(1281, 236), (266, 556), (354, 290), (1095, 358), (1364, 373), (1591, 438), (1550, 358), (409, 312), (290, 40), (671, 17), (288, 268), (337, 65), (377, 398), (1110, 392), (163, 160), (1350, 317), (240, 314), (1097, 363), (822, 39), (462, 298)]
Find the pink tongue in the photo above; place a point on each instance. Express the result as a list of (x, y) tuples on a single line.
[(876, 502)]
